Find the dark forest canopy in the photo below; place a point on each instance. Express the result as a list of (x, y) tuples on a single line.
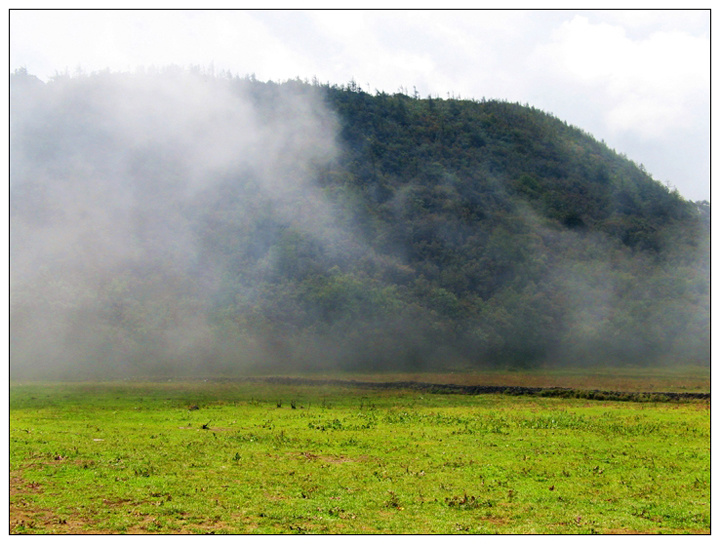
[(176, 222)]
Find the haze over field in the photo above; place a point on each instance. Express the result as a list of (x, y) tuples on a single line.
[(106, 179)]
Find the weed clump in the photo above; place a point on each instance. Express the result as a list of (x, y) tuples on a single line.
[(466, 502)]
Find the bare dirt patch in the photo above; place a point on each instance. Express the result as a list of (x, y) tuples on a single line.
[(452, 388)]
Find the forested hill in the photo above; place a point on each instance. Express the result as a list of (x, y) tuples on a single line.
[(180, 222)]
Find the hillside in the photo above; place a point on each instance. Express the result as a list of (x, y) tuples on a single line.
[(176, 222)]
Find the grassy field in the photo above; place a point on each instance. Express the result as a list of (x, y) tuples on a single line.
[(250, 457)]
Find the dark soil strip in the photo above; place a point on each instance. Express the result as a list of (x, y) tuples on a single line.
[(486, 389)]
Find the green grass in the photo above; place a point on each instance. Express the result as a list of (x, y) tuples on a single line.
[(254, 458)]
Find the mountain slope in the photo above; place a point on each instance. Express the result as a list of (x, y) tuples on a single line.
[(221, 224)]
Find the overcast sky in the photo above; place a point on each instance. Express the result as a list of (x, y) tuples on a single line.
[(639, 80)]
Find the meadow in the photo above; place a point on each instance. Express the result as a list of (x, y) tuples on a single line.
[(242, 456)]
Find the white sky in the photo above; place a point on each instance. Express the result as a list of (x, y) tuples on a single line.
[(640, 80)]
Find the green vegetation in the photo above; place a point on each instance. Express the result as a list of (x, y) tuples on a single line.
[(250, 457)]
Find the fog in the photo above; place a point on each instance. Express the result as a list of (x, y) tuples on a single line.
[(173, 223), (116, 183)]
